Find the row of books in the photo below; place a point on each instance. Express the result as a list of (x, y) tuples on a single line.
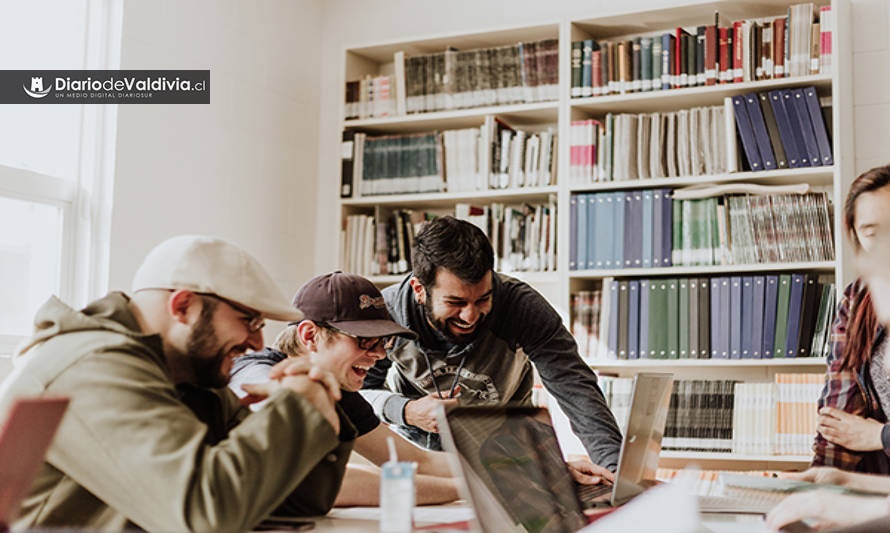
[(784, 128), (379, 244), (523, 237), (778, 129), (391, 164), (370, 97), (651, 228), (721, 317), (768, 418), (457, 79), (797, 44), (492, 156), (751, 229), (686, 142)]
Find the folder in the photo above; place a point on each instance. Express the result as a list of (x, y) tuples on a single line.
[(743, 125), (790, 136), (761, 136), (806, 127), (818, 123)]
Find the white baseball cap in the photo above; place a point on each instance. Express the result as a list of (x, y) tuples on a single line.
[(205, 264)]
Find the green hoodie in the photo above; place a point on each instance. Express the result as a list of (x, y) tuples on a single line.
[(135, 450)]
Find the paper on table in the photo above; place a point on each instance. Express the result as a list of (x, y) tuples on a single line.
[(432, 514)]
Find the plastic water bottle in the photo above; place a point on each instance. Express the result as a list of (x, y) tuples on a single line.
[(396, 493)]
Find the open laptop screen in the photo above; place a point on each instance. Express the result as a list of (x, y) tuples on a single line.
[(513, 453)]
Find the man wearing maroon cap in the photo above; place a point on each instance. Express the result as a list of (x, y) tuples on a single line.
[(345, 330)]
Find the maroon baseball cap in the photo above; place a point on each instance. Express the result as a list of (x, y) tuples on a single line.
[(349, 303)]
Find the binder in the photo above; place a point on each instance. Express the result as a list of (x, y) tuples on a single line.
[(583, 228), (809, 310), (658, 331), (692, 318), (647, 247), (617, 229), (735, 317), (643, 326), (574, 243), (795, 309), (667, 227), (683, 318), (672, 315), (633, 319), (761, 135), (612, 341), (794, 124), (772, 128), (758, 303), (818, 123), (770, 307), (743, 125), (747, 318), (782, 303), (704, 318), (633, 229), (806, 126), (790, 136), (623, 315)]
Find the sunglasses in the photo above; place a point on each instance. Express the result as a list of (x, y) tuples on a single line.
[(255, 320), (368, 344)]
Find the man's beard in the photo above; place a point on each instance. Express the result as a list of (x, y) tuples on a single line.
[(204, 353), (441, 325)]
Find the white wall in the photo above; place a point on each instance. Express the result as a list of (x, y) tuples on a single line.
[(243, 167)]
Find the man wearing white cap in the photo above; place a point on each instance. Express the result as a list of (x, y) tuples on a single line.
[(153, 439)]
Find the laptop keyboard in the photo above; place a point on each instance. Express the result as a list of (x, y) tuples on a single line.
[(588, 493)]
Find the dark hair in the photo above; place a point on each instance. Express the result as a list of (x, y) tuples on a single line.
[(862, 324), (453, 244)]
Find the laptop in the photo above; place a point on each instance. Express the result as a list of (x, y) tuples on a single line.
[(514, 475), (25, 436)]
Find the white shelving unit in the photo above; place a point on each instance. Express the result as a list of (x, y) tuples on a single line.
[(835, 89)]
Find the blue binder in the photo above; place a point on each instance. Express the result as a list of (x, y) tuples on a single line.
[(789, 135), (794, 122), (574, 244), (582, 229), (619, 204), (806, 127), (770, 303), (735, 317), (761, 135), (818, 122), (747, 318), (758, 295), (647, 245), (633, 229), (746, 132)]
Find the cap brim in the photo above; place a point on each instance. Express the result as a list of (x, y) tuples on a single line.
[(288, 314), (373, 328)]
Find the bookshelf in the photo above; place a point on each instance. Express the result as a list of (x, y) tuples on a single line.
[(556, 112)]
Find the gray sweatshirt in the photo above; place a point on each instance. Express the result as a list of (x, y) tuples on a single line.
[(495, 368)]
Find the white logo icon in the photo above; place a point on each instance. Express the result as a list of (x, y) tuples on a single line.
[(36, 90)]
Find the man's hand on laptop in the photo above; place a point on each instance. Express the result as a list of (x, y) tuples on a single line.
[(585, 472), (422, 411)]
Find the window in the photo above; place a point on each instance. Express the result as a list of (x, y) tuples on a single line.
[(56, 166)]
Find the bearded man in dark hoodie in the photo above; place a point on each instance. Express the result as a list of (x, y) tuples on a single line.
[(478, 335)]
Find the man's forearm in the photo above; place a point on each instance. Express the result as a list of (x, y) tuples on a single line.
[(361, 487)]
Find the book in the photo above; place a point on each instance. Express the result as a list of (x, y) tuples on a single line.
[(347, 163)]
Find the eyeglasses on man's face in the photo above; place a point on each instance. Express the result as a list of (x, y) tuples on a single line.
[(368, 344), (253, 319)]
